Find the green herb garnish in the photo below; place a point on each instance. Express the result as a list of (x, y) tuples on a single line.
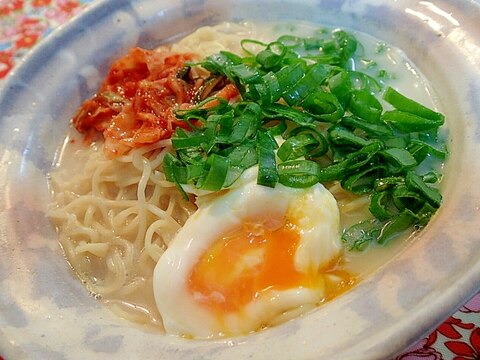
[(333, 125)]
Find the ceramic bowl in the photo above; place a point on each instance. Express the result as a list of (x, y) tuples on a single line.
[(45, 312)]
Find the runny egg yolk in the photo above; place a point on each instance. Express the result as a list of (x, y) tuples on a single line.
[(251, 258), (246, 262)]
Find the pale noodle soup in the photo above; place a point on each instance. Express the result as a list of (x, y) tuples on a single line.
[(116, 217)]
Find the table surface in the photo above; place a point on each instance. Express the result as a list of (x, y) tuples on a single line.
[(23, 23)]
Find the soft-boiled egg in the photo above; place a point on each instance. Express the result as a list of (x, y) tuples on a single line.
[(246, 257)]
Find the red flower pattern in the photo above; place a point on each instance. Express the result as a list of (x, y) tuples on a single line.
[(40, 3), (24, 22), (9, 6), (6, 63), (464, 351), (67, 5), (448, 330), (422, 350), (426, 349), (29, 31)]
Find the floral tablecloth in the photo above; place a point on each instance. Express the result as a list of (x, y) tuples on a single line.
[(23, 23)]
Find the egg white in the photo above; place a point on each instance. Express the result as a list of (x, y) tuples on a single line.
[(314, 212)]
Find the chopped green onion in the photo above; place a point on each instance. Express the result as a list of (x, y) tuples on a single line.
[(381, 205), (341, 86), (253, 43), (362, 81), (308, 84), (366, 106), (272, 56), (420, 150), (245, 74), (333, 172), (386, 183), (295, 147), (407, 122), (399, 160), (403, 198), (376, 130), (359, 236), (339, 135), (333, 125), (362, 182), (323, 106), (276, 127), (425, 213), (432, 177), (416, 183), (346, 43), (396, 226), (267, 166), (247, 123), (171, 169), (319, 146), (216, 174), (298, 173), (279, 111), (404, 104)]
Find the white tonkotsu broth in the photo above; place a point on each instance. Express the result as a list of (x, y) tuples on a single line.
[(116, 217)]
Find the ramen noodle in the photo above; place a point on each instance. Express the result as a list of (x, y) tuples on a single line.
[(117, 211)]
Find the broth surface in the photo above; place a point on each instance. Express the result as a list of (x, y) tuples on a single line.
[(79, 169)]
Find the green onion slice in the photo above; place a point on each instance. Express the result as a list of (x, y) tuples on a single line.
[(366, 106), (396, 226), (381, 205), (359, 236), (334, 126), (217, 173), (323, 106), (298, 173), (267, 166), (416, 183), (404, 104), (399, 160), (407, 122), (340, 135)]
